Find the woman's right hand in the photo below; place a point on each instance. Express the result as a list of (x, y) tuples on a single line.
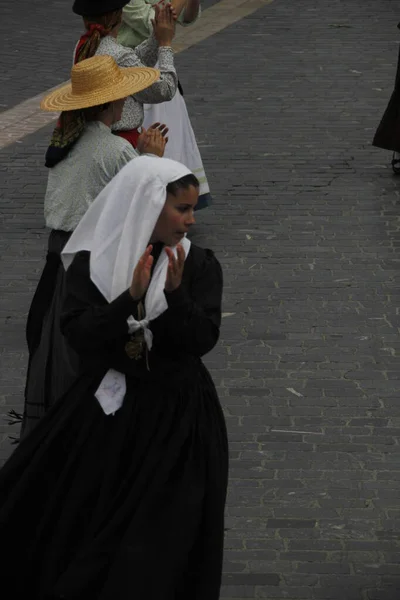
[(164, 25), (142, 275)]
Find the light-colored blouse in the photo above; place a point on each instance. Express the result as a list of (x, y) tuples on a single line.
[(136, 22), (146, 54), (76, 181)]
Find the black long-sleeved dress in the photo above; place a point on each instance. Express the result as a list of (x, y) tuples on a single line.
[(126, 506)]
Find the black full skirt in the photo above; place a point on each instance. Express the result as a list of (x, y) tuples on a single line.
[(52, 364), (114, 507), (387, 135)]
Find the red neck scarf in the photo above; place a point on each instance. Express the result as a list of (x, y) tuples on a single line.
[(86, 36)]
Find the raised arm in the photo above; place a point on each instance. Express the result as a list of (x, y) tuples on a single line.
[(187, 10), (160, 42), (163, 32)]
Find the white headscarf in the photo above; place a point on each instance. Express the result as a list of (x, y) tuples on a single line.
[(116, 230)]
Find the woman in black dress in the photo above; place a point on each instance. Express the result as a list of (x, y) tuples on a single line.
[(119, 491), (387, 135)]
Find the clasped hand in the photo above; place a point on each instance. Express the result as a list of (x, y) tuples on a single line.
[(164, 24), (153, 140)]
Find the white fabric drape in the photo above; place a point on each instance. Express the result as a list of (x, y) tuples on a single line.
[(182, 145)]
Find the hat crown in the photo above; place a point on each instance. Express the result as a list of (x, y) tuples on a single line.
[(94, 74)]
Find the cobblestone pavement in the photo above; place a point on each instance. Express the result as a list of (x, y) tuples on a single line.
[(306, 225), (37, 39)]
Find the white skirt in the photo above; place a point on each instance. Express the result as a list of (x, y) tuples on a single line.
[(182, 145)]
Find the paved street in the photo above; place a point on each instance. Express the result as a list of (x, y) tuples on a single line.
[(306, 225)]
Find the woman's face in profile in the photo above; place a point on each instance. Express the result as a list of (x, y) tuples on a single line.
[(176, 217)]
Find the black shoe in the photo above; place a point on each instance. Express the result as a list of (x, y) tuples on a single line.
[(396, 164)]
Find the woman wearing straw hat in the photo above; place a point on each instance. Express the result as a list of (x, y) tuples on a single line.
[(119, 492), (137, 17), (102, 19), (93, 101)]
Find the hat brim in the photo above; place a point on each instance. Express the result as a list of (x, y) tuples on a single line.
[(132, 81)]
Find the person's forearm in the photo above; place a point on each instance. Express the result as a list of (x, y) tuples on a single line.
[(191, 10)]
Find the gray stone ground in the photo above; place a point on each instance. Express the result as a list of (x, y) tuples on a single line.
[(306, 225), (37, 41)]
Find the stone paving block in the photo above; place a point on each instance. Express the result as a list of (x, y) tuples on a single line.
[(306, 226)]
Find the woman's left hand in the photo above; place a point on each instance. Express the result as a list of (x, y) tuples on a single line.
[(155, 143), (175, 268), (156, 136)]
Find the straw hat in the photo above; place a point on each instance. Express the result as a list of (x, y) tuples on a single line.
[(96, 8), (98, 80)]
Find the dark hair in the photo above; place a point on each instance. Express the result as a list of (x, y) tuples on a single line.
[(97, 28), (92, 113), (184, 183)]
